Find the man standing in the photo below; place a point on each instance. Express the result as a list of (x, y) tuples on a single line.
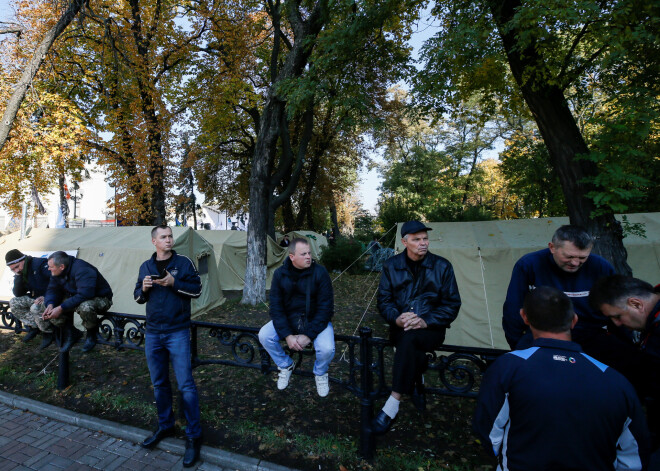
[(166, 283), (553, 407), (568, 265), (285, 241), (75, 285), (419, 298), (31, 277), (301, 306)]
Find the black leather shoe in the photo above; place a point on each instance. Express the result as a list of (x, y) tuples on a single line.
[(31, 333), (381, 423), (70, 336), (46, 340), (419, 398), (193, 445), (158, 435)]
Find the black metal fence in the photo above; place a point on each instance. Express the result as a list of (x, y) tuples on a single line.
[(360, 366)]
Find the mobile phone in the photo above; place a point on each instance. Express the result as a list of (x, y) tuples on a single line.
[(156, 277)]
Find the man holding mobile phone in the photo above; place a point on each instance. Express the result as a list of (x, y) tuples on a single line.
[(166, 283)]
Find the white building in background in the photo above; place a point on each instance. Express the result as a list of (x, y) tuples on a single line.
[(215, 219), (90, 200)]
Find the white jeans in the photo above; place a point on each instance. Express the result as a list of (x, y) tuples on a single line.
[(324, 345)]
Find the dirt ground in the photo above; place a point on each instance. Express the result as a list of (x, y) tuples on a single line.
[(242, 410)]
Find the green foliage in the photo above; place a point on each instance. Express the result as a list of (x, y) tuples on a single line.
[(342, 255), (365, 227)]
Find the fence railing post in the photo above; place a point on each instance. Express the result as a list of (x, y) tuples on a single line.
[(366, 400)]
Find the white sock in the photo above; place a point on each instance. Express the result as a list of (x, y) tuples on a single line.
[(391, 407)]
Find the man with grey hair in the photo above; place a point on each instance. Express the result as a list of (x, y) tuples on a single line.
[(31, 278), (418, 297), (75, 286), (568, 265)]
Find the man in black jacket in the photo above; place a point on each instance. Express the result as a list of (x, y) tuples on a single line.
[(30, 282), (301, 306), (419, 298)]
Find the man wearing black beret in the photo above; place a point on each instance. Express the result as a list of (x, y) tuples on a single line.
[(31, 277), (419, 298)]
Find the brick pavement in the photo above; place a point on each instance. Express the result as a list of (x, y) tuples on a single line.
[(38, 436)]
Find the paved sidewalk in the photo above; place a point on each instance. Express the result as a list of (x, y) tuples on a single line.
[(38, 436)]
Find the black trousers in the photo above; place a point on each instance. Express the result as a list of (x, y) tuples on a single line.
[(410, 360)]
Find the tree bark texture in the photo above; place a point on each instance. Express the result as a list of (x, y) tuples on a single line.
[(561, 135), (17, 97)]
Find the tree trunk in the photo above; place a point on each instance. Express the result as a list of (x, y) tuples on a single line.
[(562, 136), (14, 102), (333, 219)]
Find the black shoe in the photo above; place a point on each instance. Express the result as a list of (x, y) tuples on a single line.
[(158, 435), (90, 341), (419, 397), (31, 333), (191, 455), (46, 340), (381, 423), (70, 335)]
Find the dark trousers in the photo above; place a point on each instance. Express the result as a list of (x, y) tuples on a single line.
[(410, 360)]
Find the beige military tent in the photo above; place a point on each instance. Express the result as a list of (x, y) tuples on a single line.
[(230, 249), (483, 254), (118, 253), (316, 241)]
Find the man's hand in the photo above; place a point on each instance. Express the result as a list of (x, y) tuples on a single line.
[(410, 321), (51, 312), (167, 280), (147, 283), (303, 340), (39, 300), (292, 342)]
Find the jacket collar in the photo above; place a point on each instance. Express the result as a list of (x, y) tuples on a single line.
[(288, 266), (554, 343), (400, 261), (153, 257)]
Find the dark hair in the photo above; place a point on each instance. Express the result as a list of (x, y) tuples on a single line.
[(59, 258), (296, 241), (549, 310), (615, 289), (155, 229), (575, 234)]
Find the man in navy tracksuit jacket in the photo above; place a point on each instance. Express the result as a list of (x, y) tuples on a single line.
[(552, 407), (166, 283)]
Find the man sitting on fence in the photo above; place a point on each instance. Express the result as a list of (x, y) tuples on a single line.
[(301, 306), (167, 282), (75, 285), (553, 407), (419, 298), (31, 278)]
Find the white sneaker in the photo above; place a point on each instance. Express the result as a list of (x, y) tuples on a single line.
[(322, 385), (284, 375)]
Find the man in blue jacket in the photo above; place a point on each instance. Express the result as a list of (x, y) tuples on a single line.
[(166, 283), (552, 407), (75, 285), (301, 306), (31, 278), (418, 296)]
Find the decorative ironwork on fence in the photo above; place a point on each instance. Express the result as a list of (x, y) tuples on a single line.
[(362, 366)]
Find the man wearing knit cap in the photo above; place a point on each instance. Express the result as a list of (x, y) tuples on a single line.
[(31, 277)]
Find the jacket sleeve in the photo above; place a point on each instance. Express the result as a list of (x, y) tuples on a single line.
[(187, 283), (140, 296), (491, 415), (325, 300), (512, 323), (54, 293), (85, 280), (276, 307), (634, 444), (20, 287), (386, 303), (445, 312)]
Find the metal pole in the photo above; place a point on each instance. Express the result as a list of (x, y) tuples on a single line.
[(367, 446), (63, 371)]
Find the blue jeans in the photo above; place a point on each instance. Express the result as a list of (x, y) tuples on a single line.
[(324, 345), (160, 350)]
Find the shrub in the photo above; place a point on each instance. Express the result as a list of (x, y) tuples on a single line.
[(342, 254)]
